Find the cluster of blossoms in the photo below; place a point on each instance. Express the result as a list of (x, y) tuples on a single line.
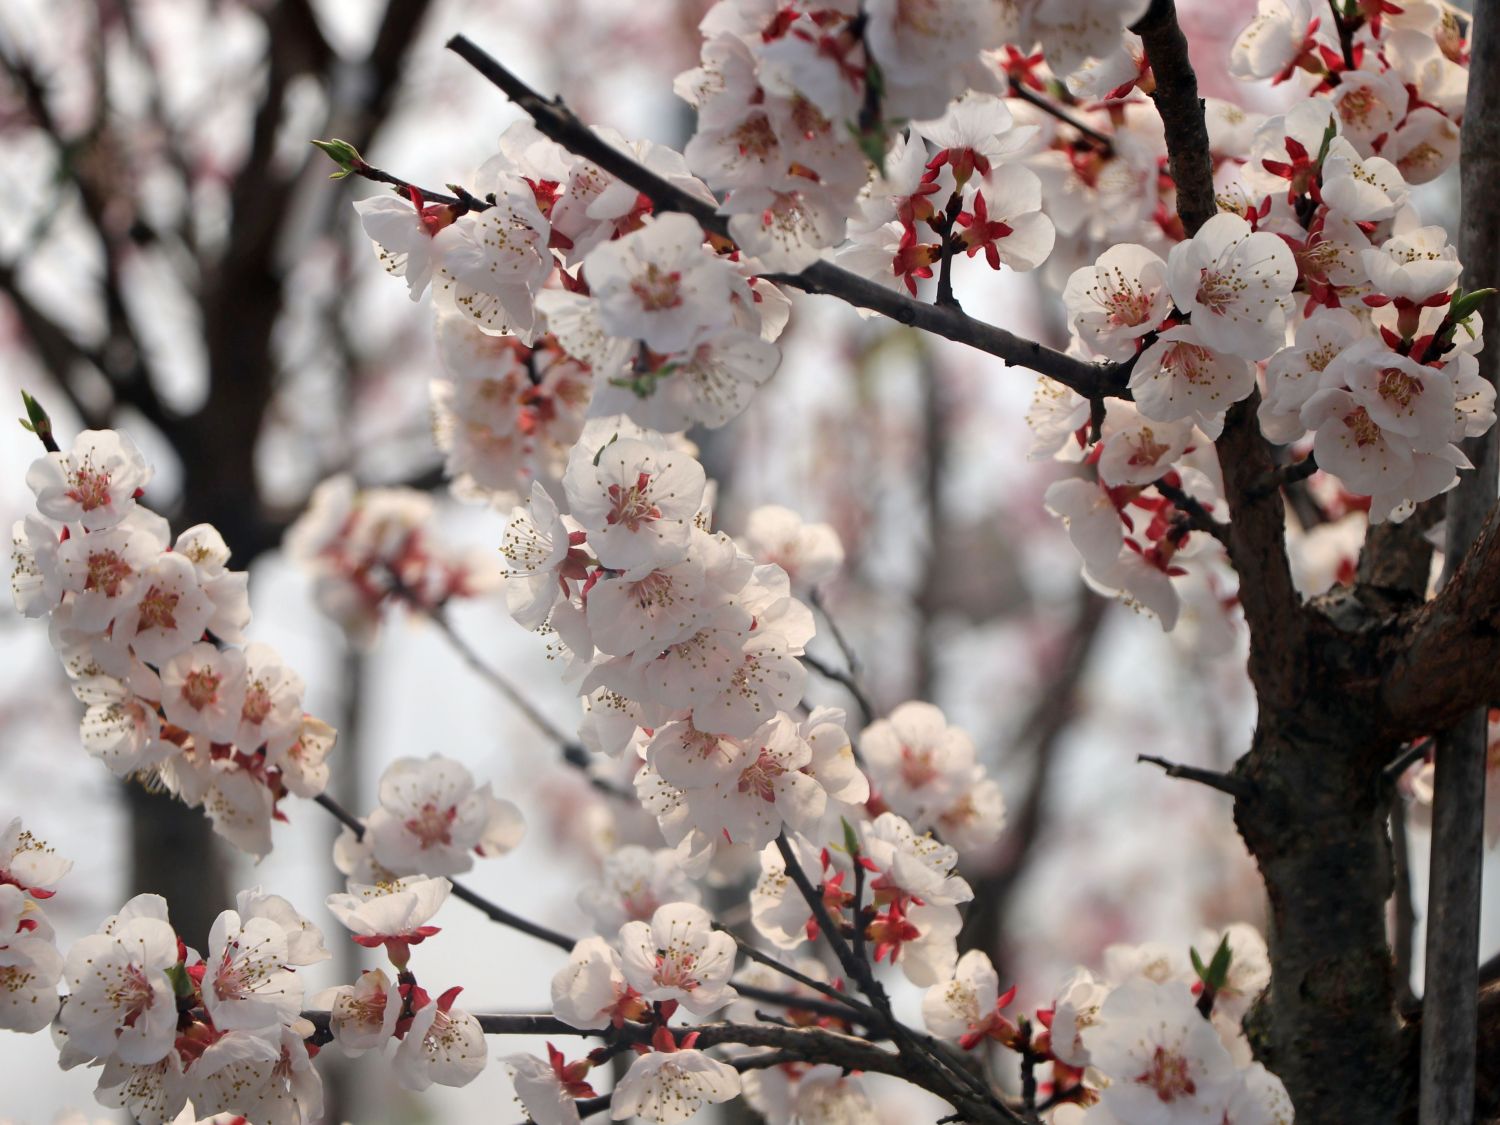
[(173, 1032), (1316, 283), (686, 649), (1156, 1038), (148, 630), (368, 548), (564, 296), (791, 100)]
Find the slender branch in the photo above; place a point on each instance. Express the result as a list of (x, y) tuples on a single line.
[(1238, 787), (491, 910), (1053, 109), (851, 658), (1284, 475), (1346, 38), (1198, 516), (572, 753), (555, 120), (504, 917), (376, 175), (794, 1002), (844, 679), (851, 1003), (910, 1043), (512, 694), (1404, 760), (945, 229)]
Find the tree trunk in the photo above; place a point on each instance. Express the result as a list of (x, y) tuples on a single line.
[(1317, 827)]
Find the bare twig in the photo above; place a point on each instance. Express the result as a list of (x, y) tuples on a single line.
[(1284, 475), (1198, 516), (1237, 787), (493, 911), (844, 679), (1020, 90)]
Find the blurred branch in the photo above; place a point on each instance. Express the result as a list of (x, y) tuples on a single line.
[(1055, 707)]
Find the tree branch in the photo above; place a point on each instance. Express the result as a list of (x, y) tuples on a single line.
[(1257, 526), (491, 910), (556, 121), (1237, 787)]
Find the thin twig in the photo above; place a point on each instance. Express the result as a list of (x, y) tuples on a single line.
[(1237, 787), (1020, 90), (1284, 475), (844, 679), (1198, 516), (573, 754), (851, 658), (493, 911), (1407, 758)]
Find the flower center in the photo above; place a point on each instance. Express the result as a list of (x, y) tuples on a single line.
[(432, 825), (917, 768), (755, 137), (1217, 292), (1126, 305), (1148, 451), (107, 570), (257, 704), (200, 687), (1191, 362), (1396, 386), (658, 289), (759, 779), (90, 488), (1356, 106), (675, 972), (1168, 1076), (130, 993), (1365, 431), (632, 504), (158, 609)]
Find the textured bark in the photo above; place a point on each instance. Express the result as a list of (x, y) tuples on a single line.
[(1317, 828)]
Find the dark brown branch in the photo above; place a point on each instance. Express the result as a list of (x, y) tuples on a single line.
[(1020, 90), (1395, 563), (556, 121), (1286, 474), (1198, 516), (1237, 787)]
